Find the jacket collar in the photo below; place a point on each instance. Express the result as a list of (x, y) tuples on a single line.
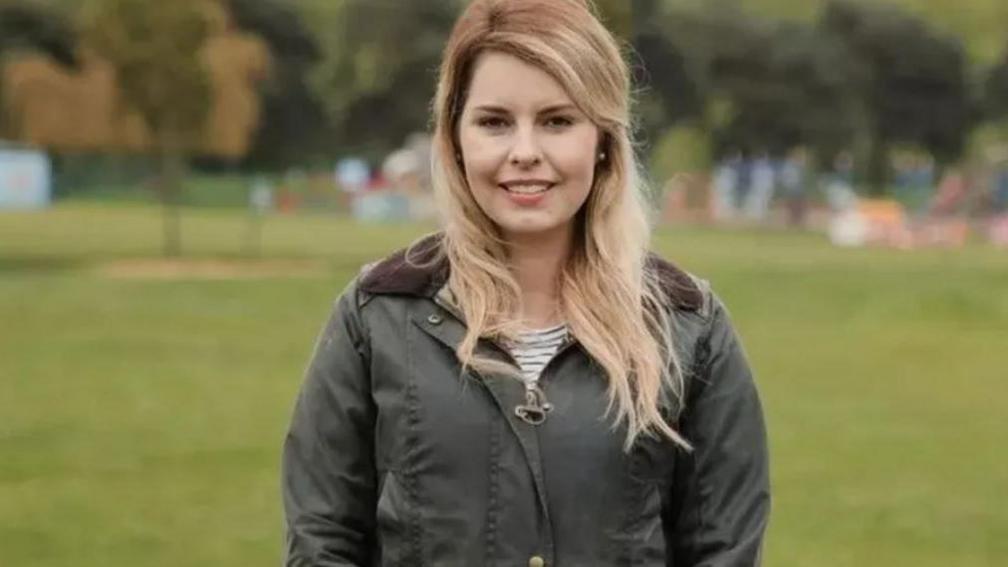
[(419, 270), (422, 271)]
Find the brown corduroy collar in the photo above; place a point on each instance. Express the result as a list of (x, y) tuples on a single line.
[(424, 271)]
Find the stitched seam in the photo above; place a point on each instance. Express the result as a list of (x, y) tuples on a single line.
[(491, 526), (413, 413), (363, 346), (701, 501)]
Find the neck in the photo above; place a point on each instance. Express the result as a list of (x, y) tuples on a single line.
[(536, 262)]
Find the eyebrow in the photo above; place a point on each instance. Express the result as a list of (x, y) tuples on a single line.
[(495, 109)]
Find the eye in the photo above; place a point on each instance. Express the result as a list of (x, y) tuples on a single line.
[(492, 122), (559, 122)]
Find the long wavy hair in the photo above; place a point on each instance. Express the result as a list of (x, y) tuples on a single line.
[(611, 302)]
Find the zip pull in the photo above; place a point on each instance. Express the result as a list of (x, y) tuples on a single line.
[(535, 408)]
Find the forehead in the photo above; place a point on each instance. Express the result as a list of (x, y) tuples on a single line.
[(500, 79)]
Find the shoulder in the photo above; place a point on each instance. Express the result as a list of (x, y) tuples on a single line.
[(683, 290), (419, 269)]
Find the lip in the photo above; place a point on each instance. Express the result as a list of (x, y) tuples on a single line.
[(511, 182), (527, 200)]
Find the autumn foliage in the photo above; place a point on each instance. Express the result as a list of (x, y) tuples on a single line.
[(48, 104)]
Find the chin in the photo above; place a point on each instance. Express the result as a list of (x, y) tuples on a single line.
[(528, 227)]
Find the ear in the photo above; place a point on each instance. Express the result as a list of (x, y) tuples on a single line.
[(602, 149)]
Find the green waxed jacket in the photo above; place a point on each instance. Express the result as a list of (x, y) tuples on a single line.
[(395, 458)]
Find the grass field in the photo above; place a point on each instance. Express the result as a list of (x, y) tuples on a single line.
[(142, 408)]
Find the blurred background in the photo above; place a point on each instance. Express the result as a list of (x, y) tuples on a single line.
[(186, 185)]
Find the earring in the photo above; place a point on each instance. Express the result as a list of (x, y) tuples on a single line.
[(601, 156)]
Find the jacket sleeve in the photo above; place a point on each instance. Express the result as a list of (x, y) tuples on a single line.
[(719, 502), (328, 472)]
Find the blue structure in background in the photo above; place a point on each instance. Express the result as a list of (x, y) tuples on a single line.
[(25, 179), (1001, 190), (381, 206)]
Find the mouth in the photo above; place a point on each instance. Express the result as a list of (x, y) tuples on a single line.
[(527, 188)]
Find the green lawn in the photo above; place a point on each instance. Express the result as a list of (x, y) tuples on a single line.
[(141, 417)]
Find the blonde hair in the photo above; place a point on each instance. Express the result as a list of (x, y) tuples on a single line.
[(611, 302)]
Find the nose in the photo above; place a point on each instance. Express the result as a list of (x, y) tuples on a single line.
[(525, 151)]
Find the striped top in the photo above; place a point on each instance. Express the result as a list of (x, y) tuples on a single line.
[(534, 349)]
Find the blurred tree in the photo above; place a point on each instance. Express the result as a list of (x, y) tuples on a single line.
[(154, 49), (770, 88), (786, 88), (618, 16), (680, 149), (64, 109), (996, 90), (81, 110), (294, 125), (378, 79), (30, 27), (980, 23), (667, 92), (236, 63), (911, 84)]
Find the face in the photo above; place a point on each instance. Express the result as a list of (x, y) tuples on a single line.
[(529, 153)]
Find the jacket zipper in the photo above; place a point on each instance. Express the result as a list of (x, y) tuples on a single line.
[(537, 405)]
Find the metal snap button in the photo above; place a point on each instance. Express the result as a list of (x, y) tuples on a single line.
[(434, 319), (536, 561)]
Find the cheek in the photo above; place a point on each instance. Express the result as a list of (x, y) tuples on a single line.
[(481, 157), (576, 159)]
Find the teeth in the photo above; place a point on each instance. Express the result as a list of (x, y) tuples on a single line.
[(527, 189)]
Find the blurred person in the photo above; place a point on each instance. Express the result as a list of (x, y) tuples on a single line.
[(922, 183), (904, 167), (794, 182), (761, 189), (839, 184), (924, 172), (951, 194), (744, 170), (403, 170), (724, 197), (1000, 189), (529, 386)]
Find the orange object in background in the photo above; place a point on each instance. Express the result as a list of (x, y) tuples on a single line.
[(885, 212), (886, 222), (288, 201)]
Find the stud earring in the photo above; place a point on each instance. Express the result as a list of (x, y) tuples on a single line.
[(601, 156)]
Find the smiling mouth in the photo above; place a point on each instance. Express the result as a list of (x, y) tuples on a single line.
[(535, 189)]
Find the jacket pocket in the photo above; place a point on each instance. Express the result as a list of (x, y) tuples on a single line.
[(392, 515)]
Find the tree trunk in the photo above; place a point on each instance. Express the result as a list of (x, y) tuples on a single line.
[(877, 166), (170, 189)]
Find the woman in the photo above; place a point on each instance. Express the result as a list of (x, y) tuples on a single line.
[(530, 386)]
